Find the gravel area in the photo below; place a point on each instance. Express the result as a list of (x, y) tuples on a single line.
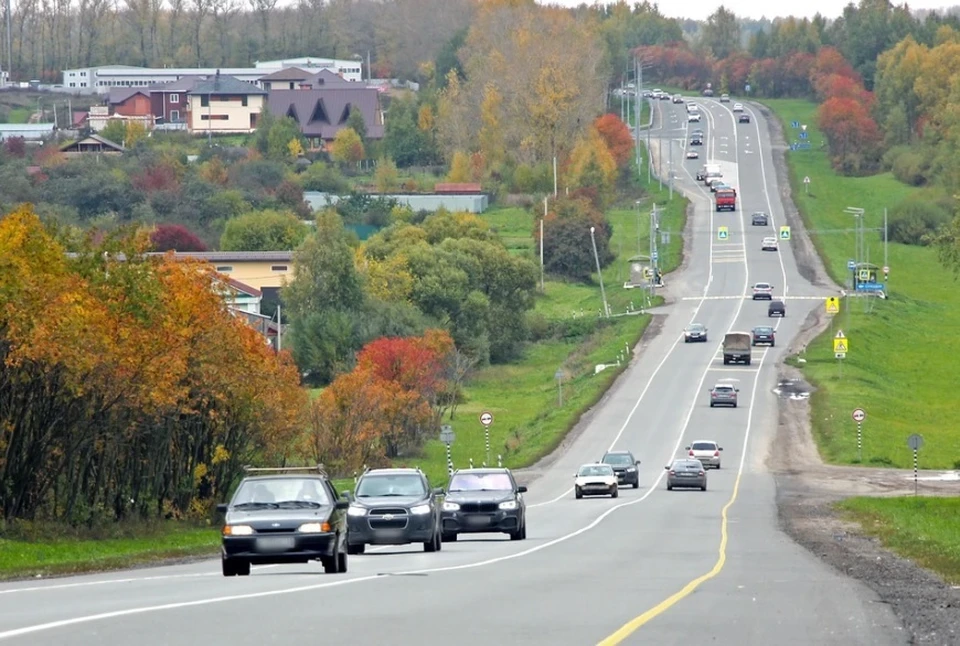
[(806, 488)]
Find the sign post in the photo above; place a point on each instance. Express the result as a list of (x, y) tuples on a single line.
[(447, 437), (558, 375), (806, 183), (915, 441), (840, 346), (858, 416), (723, 233), (486, 419)]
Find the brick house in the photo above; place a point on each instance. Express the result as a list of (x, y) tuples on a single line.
[(168, 101)]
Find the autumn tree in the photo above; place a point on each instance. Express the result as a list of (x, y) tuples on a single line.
[(592, 167), (135, 133), (347, 147), (490, 137), (852, 133), (460, 170), (386, 176), (175, 237), (617, 138), (567, 247), (267, 230)]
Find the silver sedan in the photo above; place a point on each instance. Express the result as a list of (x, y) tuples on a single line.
[(686, 474)]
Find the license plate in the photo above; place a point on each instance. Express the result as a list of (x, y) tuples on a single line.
[(687, 475), (477, 521), (275, 543)]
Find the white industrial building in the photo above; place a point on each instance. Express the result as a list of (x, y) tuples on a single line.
[(89, 80)]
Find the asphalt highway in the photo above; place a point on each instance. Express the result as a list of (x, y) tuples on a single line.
[(651, 567)]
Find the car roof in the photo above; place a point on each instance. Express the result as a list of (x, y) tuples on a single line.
[(761, 284), (704, 442), (622, 452), (393, 471), (286, 476), (722, 386), (763, 327), (483, 470)]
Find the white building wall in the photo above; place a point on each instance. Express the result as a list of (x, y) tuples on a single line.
[(223, 116)]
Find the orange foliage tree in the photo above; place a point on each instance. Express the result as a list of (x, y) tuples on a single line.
[(616, 135)]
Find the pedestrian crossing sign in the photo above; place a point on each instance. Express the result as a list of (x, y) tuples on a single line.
[(841, 346), (784, 233), (833, 305), (723, 233)]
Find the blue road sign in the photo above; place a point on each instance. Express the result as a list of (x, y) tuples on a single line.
[(795, 124), (851, 264), (656, 255), (793, 146), (803, 135)]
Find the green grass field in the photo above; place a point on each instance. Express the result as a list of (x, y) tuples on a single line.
[(26, 556), (922, 529), (900, 366), (523, 397)]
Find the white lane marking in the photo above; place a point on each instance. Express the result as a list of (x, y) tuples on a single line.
[(748, 297)]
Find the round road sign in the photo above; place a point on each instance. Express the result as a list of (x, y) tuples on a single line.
[(486, 419), (859, 415), (886, 270), (915, 442)]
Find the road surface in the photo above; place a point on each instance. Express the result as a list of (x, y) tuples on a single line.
[(652, 567)]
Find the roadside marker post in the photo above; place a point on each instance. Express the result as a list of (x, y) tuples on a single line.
[(486, 419), (723, 233), (858, 416), (784, 233), (447, 437), (840, 347), (915, 441), (558, 375)]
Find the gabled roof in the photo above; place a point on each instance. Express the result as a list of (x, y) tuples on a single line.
[(231, 256), (323, 113), (92, 143), (243, 288), (225, 85), (288, 74), (328, 79), (182, 85), (121, 94)]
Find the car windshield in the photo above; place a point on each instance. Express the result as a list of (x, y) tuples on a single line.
[(685, 464), (480, 482), (696, 327), (763, 330), (271, 492), (704, 446), (618, 458), (763, 286), (723, 389), (596, 470), (405, 484)]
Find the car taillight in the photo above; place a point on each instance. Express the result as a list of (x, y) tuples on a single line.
[(691, 453)]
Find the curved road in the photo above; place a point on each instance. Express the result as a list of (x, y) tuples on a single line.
[(652, 567)]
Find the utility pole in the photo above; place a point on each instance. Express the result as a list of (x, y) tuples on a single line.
[(279, 329), (603, 293), (9, 42), (670, 167), (637, 203), (653, 250), (885, 239), (542, 283), (659, 156)]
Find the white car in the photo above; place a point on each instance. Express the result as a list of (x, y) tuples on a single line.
[(763, 291), (693, 117), (595, 480), (769, 244), (707, 451), (738, 107), (693, 154)]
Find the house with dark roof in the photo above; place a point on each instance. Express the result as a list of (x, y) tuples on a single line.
[(168, 101), (91, 144), (322, 106), (290, 78), (224, 105)]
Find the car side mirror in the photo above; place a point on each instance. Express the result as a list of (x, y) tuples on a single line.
[(686, 448), (637, 463), (222, 508), (736, 390), (342, 504), (721, 448), (667, 467), (521, 489)]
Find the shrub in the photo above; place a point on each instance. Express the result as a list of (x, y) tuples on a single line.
[(909, 166), (916, 218)]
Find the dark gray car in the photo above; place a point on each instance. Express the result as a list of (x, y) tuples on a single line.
[(394, 507), (686, 474), (776, 308), (759, 219), (625, 466), (764, 334), (695, 333), (484, 501)]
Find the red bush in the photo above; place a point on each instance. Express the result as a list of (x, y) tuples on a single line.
[(175, 237)]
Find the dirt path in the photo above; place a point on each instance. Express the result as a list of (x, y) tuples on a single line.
[(807, 488)]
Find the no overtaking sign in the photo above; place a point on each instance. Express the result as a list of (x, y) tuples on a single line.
[(859, 415), (486, 419)]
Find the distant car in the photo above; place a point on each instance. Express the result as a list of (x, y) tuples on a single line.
[(693, 118), (776, 308), (695, 333), (686, 474), (738, 107), (701, 173), (764, 334), (693, 154), (484, 501), (595, 480), (763, 291), (284, 518), (724, 98), (625, 466), (677, 98), (715, 184), (743, 118), (759, 219), (664, 96), (769, 244), (708, 92), (696, 133), (696, 140), (723, 395), (707, 451)]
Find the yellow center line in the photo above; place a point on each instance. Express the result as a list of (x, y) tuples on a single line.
[(640, 620)]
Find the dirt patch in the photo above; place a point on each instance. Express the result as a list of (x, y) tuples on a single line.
[(807, 488)]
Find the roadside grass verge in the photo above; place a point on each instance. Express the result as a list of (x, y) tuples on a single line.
[(923, 529), (900, 365), (22, 554), (524, 396)]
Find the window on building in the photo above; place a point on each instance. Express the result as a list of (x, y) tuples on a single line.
[(174, 116), (174, 98), (214, 117), (243, 101), (278, 268), (224, 268), (205, 100)]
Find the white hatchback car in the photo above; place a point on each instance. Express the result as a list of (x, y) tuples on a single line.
[(693, 154), (693, 117), (763, 291), (738, 107), (707, 451), (595, 480), (769, 244)]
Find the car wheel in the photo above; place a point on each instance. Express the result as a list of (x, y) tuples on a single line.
[(359, 548), (636, 485), (242, 568), (517, 535), (772, 344), (577, 493), (228, 567), (448, 538), (342, 562), (669, 487), (433, 545), (703, 488), (718, 466), (735, 403), (615, 493)]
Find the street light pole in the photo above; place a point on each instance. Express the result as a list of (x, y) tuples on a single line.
[(637, 203), (603, 293), (670, 140)]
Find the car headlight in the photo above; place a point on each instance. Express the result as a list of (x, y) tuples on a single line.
[(419, 510), (237, 530), (451, 506), (509, 504), (356, 510), (631, 469), (314, 528)]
